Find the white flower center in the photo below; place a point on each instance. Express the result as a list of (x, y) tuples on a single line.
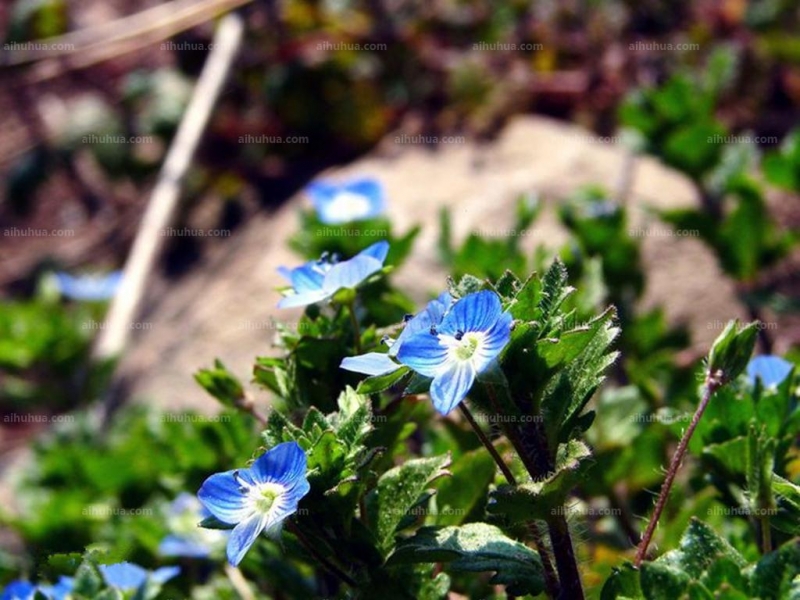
[(348, 206), (265, 495), (463, 346)]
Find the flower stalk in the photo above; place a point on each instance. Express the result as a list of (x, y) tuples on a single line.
[(712, 384)]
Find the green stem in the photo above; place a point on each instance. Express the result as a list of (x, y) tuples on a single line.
[(551, 581), (354, 322), (712, 385), (318, 557), (488, 444), (766, 535), (537, 461)]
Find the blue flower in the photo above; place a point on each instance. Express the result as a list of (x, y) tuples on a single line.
[(467, 341), (18, 590), (88, 287), (127, 576), (771, 370), (59, 591), (187, 539), (355, 200), (378, 363), (24, 590), (319, 280), (259, 498)]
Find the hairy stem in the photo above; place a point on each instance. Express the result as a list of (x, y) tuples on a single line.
[(351, 308), (712, 385), (766, 535), (488, 444), (551, 581), (318, 557), (535, 458)]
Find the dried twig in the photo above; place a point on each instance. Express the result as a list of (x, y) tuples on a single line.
[(114, 336), (87, 47)]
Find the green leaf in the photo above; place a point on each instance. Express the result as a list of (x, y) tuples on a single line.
[(787, 495), (460, 494), (623, 584), (379, 383), (726, 577), (554, 291), (327, 458), (662, 581), (354, 419), (398, 490), (560, 351), (776, 574), (110, 594), (700, 546), (542, 499), (508, 285), (476, 547), (760, 462), (221, 384), (468, 284), (212, 522), (571, 389), (279, 429), (87, 580), (731, 455), (315, 422)]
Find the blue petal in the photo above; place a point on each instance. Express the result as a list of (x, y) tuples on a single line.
[(305, 299), (295, 493), (288, 503), (308, 277), (174, 545), (18, 590), (184, 503), (243, 536), (450, 387), (286, 273), (284, 464), (221, 495), (493, 342), (372, 191), (164, 574), (367, 187), (772, 370), (422, 321), (59, 591), (372, 363), (124, 576), (321, 193), (475, 312), (378, 251), (89, 287), (327, 200), (424, 353), (350, 273)]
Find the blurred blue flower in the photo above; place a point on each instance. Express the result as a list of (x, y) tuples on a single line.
[(338, 203), (127, 576), (378, 363), (187, 539), (467, 341), (88, 287), (259, 498), (771, 370), (319, 280), (18, 590), (59, 591)]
